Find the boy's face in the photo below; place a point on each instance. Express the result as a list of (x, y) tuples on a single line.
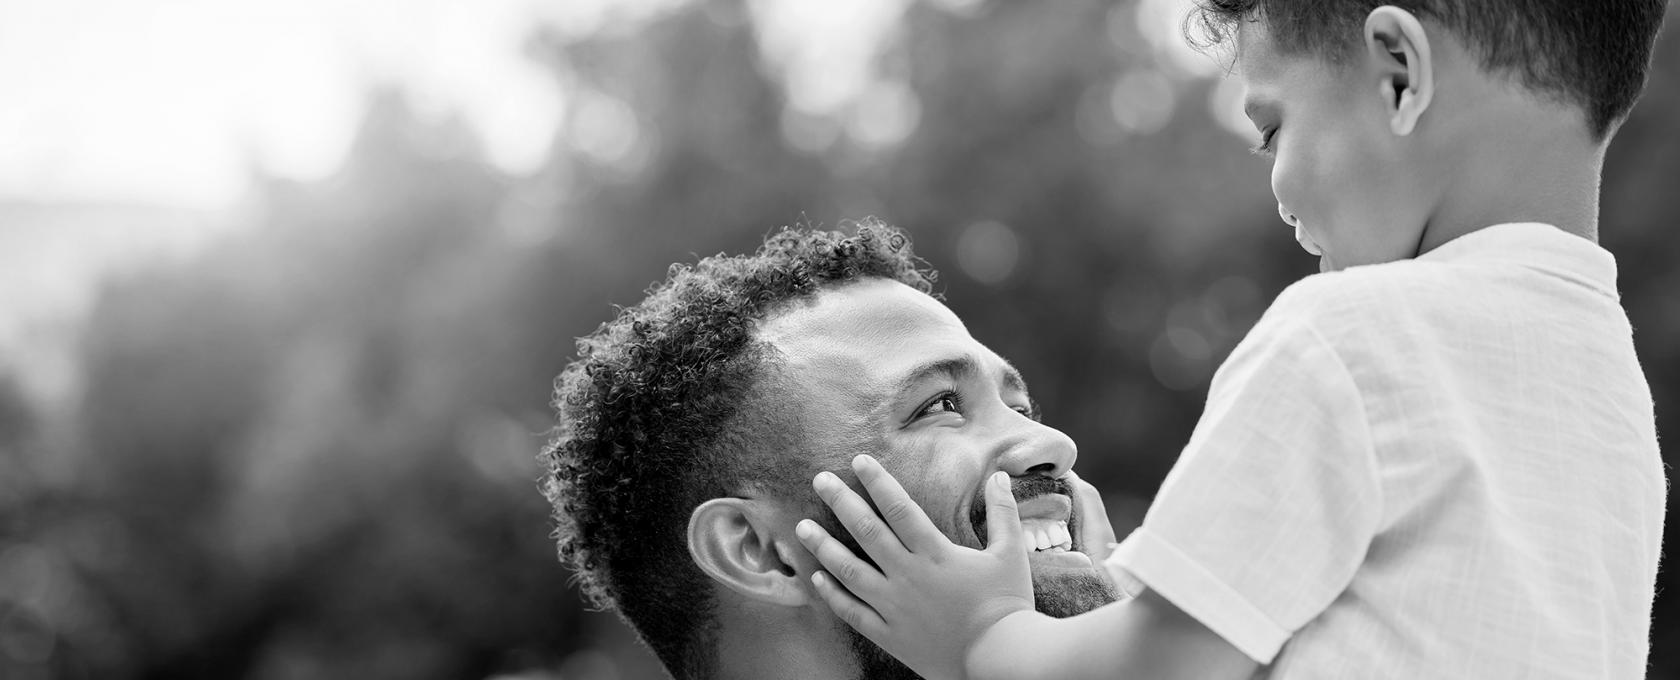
[(1341, 176)]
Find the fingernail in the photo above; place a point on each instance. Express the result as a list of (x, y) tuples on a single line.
[(803, 528), (862, 460), (817, 578), (1001, 479)]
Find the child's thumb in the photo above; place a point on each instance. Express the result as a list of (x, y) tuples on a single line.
[(1003, 519)]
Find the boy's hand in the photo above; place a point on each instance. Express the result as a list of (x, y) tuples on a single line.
[(931, 599), (1096, 534)]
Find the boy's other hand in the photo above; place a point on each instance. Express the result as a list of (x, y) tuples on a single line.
[(930, 599)]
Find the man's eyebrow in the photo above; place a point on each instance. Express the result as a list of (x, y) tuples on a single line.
[(1012, 378), (956, 369)]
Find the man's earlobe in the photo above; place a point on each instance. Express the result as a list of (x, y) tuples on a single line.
[(735, 541), (1398, 47)]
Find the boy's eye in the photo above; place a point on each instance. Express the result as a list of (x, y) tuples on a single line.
[(1265, 147)]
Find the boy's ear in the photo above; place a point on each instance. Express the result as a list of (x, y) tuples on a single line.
[(739, 543), (1398, 47)]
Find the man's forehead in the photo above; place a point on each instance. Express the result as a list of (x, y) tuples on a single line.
[(869, 334), (867, 312)]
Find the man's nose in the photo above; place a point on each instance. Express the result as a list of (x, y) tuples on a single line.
[(1038, 449)]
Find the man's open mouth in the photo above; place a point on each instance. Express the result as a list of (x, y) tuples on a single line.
[(1044, 522), (1047, 523)]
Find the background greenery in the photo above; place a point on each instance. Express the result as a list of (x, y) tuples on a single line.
[(307, 451)]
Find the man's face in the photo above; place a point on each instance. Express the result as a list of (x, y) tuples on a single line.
[(877, 367), (1341, 176)]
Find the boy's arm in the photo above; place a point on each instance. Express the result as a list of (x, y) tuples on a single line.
[(1145, 637), (953, 612)]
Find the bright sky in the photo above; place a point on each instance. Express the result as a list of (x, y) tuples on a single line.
[(168, 101), (171, 101)]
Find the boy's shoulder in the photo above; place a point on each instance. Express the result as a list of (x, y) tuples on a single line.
[(1378, 314), (1368, 294), (1539, 265)]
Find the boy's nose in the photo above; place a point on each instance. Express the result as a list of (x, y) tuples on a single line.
[(1289, 218)]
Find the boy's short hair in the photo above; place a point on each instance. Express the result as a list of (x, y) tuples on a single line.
[(1590, 54)]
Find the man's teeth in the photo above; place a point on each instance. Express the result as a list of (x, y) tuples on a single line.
[(1044, 535)]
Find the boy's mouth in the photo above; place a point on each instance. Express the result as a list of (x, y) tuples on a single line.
[(1306, 241)]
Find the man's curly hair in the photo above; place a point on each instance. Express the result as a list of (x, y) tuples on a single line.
[(657, 415)]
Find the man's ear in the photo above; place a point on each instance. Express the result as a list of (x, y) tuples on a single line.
[(1398, 47), (737, 542)]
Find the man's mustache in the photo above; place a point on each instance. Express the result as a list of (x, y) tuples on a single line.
[(1024, 488)]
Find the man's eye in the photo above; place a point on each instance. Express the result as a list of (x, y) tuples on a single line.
[(949, 402)]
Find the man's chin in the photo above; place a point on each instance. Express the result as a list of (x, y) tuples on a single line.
[(1059, 591), (1063, 591)]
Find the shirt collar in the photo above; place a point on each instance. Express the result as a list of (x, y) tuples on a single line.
[(1538, 246)]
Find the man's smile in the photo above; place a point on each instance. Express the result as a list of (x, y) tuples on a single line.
[(1048, 524)]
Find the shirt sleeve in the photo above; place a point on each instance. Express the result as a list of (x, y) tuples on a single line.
[(1269, 510)]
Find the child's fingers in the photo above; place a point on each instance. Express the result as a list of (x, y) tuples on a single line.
[(873, 534), (850, 609), (1003, 519), (857, 575), (1096, 534), (906, 518)]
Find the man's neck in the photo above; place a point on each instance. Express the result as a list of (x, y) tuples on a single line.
[(766, 642), (1537, 170)]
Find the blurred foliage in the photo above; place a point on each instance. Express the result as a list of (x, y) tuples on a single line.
[(308, 453)]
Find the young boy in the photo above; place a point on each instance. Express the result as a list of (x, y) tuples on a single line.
[(1437, 459)]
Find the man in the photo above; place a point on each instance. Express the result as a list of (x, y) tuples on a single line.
[(690, 426)]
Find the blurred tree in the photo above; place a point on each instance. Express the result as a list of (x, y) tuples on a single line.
[(271, 437)]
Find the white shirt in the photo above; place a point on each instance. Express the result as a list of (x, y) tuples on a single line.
[(1444, 467)]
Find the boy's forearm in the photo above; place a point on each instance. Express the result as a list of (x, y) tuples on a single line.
[(1145, 637), (1028, 645)]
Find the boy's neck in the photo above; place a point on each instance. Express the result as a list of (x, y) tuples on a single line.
[(1527, 167)]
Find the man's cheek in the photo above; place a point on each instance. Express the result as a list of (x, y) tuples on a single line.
[(938, 505)]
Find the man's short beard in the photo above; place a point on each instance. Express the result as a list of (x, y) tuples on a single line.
[(1069, 594), (1057, 594)]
